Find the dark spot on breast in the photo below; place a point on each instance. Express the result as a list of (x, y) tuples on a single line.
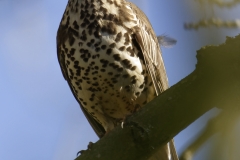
[(92, 17), (97, 49), (109, 51), (109, 27), (76, 62), (113, 45), (82, 14), (122, 48), (110, 73), (116, 57), (102, 9), (83, 25), (126, 62), (95, 84), (133, 68), (83, 37), (75, 25), (72, 51), (97, 44), (68, 62), (120, 69), (85, 59), (133, 81), (141, 86), (103, 46), (125, 76), (130, 50), (89, 44), (72, 59), (127, 39), (118, 37), (117, 75), (73, 32), (151, 83), (145, 89), (71, 40), (97, 34)]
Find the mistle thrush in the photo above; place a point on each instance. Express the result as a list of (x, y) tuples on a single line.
[(111, 59)]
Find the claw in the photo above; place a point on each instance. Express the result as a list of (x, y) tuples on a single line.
[(89, 147), (122, 124)]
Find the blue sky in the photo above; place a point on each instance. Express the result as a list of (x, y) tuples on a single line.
[(39, 117)]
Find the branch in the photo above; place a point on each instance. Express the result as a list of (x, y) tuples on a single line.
[(214, 83)]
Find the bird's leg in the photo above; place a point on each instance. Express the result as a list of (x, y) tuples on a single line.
[(136, 108), (107, 131), (124, 120)]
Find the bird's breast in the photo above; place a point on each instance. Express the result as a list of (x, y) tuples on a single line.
[(102, 60)]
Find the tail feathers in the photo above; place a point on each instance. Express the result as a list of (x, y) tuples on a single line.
[(173, 151)]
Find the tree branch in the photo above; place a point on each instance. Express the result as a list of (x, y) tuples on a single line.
[(214, 83)]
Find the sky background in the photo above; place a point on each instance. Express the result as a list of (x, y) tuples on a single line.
[(39, 117)]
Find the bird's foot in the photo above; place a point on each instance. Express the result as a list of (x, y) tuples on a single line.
[(122, 124), (124, 121), (89, 147)]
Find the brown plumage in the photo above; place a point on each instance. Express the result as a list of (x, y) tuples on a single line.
[(111, 59)]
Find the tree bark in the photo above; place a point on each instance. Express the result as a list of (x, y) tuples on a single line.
[(214, 83)]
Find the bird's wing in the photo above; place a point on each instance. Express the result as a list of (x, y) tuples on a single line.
[(62, 36), (149, 45), (151, 51)]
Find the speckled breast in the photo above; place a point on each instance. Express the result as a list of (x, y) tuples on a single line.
[(104, 63)]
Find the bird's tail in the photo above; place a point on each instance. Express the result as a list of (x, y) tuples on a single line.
[(166, 152)]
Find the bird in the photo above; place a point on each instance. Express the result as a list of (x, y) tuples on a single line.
[(111, 59)]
